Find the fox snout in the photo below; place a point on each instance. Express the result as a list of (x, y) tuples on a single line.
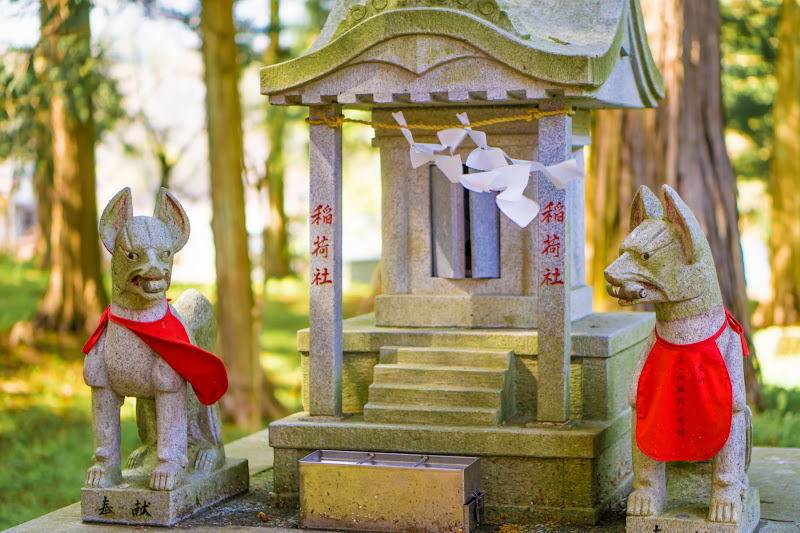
[(154, 280), (628, 291)]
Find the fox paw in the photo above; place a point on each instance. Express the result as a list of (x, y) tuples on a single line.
[(644, 502), (166, 476), (725, 506), (207, 459), (103, 476), (135, 459)]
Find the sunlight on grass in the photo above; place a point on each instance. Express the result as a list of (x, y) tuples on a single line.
[(20, 290)]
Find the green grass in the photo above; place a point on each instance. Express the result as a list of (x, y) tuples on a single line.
[(779, 423), (20, 289)]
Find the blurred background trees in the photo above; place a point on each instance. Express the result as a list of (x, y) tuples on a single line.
[(783, 308), (682, 144), (75, 296), (235, 305)]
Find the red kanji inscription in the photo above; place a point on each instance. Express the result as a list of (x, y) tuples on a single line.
[(320, 247), (552, 213), (552, 278), (552, 246), (321, 277), (322, 215)]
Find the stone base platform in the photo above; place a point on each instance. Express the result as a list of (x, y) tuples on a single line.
[(530, 474), (692, 518), (133, 502)]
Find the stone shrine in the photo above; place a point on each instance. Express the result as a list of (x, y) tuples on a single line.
[(483, 342)]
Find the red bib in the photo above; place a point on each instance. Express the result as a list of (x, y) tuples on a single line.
[(167, 337), (684, 401)]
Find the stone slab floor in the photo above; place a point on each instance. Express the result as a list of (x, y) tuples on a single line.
[(775, 471)]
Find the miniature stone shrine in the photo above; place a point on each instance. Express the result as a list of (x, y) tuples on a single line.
[(483, 342), (687, 391), (158, 353)]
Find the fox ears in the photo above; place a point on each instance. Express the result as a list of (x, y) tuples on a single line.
[(675, 211), (645, 205), (169, 211), (119, 212)]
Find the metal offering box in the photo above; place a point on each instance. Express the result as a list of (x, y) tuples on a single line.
[(365, 491)]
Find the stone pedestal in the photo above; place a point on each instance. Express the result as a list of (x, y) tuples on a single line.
[(688, 492), (691, 517), (531, 471), (133, 502)]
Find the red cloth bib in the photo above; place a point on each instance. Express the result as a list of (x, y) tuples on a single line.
[(684, 401), (167, 337)]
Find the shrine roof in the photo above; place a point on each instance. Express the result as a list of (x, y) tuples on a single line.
[(582, 46)]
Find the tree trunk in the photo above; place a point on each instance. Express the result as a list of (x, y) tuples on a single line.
[(237, 329), (43, 169), (681, 144), (275, 258), (784, 307), (75, 297), (43, 187)]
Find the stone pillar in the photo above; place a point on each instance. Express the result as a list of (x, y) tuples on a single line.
[(325, 254), (553, 250)]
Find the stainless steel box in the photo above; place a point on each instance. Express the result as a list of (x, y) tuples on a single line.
[(364, 491)]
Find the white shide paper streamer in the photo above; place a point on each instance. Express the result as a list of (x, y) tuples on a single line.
[(496, 171)]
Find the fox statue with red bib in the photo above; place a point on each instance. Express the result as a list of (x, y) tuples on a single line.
[(687, 391), (153, 351)]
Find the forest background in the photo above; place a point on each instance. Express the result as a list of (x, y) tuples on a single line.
[(97, 96)]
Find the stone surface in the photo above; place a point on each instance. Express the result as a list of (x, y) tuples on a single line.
[(448, 258), (774, 470), (325, 223), (484, 235), (411, 296), (694, 518), (594, 339), (666, 260), (420, 54), (529, 473), (446, 387), (554, 281), (135, 503)]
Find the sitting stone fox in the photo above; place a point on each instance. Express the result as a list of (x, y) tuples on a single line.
[(179, 435), (687, 391)]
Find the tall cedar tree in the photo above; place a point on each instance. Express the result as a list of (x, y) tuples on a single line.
[(275, 258), (75, 296), (784, 243), (237, 338), (680, 143)]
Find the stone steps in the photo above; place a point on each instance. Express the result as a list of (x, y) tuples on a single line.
[(381, 393), (441, 386), (436, 356), (438, 375), (431, 415)]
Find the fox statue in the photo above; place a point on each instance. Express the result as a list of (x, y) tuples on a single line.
[(687, 391), (149, 349)]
